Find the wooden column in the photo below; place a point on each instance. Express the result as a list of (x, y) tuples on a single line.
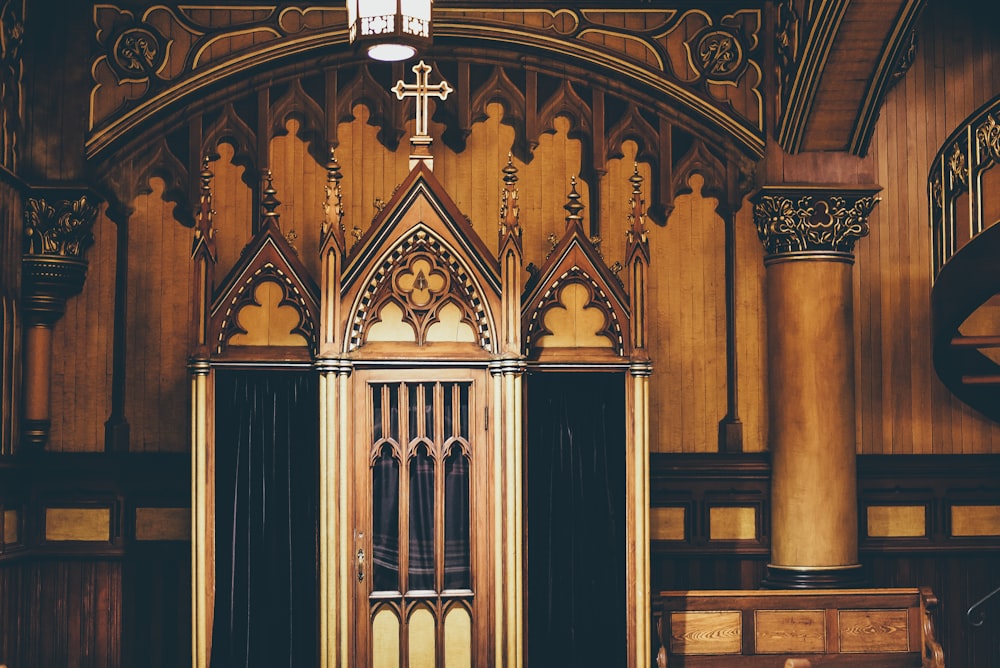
[(809, 234), (58, 224)]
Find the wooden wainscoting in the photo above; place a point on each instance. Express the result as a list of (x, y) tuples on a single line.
[(923, 521), (135, 585), (95, 561)]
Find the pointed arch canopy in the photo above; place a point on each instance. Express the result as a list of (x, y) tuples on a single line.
[(420, 266)]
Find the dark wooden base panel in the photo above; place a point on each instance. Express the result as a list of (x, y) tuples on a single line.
[(848, 577)]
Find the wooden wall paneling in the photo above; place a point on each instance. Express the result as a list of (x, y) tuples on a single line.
[(11, 235), (159, 289), (299, 180), (156, 606), (902, 406), (688, 334), (474, 177), (73, 614), (751, 332), (616, 191), (234, 203), (370, 171), (82, 352), (544, 184)]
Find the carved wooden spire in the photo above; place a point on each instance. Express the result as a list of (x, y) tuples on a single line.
[(637, 262), (204, 231), (270, 202), (636, 233), (510, 209), (203, 265), (333, 206), (573, 206), (511, 260)]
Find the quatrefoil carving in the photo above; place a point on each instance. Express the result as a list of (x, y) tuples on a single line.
[(421, 282)]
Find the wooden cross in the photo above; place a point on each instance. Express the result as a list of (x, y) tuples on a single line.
[(422, 91)]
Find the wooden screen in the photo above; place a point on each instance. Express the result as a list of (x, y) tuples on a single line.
[(416, 541)]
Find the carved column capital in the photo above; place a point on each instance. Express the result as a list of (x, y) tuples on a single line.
[(58, 230), (802, 222)]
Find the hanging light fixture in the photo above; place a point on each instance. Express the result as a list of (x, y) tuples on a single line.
[(390, 29)]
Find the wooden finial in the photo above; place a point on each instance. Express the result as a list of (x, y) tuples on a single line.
[(636, 232), (334, 204), (206, 178), (203, 226), (510, 211), (269, 202), (573, 206)]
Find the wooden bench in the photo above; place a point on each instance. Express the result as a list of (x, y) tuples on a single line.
[(889, 628)]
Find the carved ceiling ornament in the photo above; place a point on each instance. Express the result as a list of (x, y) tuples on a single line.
[(421, 276), (812, 219)]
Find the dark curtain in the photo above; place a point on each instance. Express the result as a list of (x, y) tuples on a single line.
[(576, 519), (266, 518)]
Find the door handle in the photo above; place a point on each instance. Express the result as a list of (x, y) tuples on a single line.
[(361, 564)]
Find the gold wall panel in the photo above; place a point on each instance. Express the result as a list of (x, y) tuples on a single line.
[(780, 631), (458, 639), (385, 640), (897, 521), (163, 524), (267, 322), (421, 636), (874, 631), (732, 523), (91, 524), (975, 520), (706, 632), (667, 523), (10, 528)]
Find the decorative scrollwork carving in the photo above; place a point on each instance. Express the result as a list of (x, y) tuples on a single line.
[(988, 138), (62, 227), (718, 53), (138, 53), (792, 222), (958, 165)]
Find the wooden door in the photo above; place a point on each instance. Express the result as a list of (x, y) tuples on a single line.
[(420, 544)]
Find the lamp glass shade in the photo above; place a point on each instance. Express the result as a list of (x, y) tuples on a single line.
[(390, 29)]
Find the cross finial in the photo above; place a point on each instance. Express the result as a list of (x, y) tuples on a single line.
[(421, 91)]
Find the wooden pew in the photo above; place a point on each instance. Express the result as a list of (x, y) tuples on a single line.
[(889, 628)]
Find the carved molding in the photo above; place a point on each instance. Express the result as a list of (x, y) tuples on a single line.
[(60, 225), (58, 230), (706, 63), (812, 219)]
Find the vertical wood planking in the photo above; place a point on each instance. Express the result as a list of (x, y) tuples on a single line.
[(159, 289), (902, 405), (233, 200), (751, 332), (82, 352), (688, 340), (299, 181)]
